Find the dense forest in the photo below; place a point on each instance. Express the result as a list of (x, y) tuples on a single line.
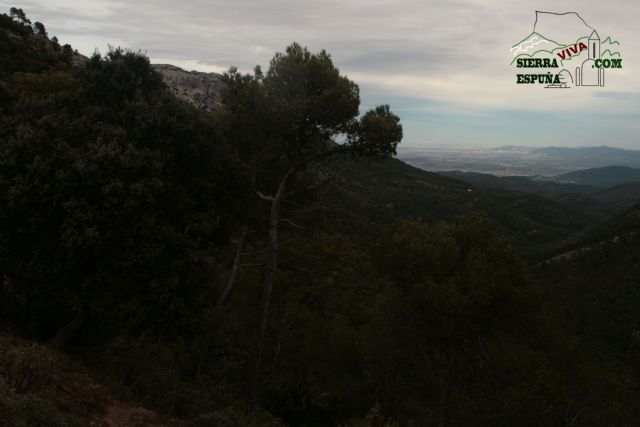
[(270, 264)]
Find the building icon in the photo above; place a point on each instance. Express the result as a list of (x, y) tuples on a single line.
[(589, 74)]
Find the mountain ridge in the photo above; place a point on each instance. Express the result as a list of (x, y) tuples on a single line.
[(602, 177)]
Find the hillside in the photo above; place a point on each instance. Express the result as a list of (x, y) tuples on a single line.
[(592, 198), (622, 224), (41, 387), (542, 187), (620, 196), (27, 50), (595, 283), (392, 189), (603, 177)]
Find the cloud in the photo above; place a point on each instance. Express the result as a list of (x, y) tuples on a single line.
[(623, 96), (444, 59)]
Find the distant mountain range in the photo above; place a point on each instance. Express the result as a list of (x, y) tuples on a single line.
[(603, 154), (545, 162)]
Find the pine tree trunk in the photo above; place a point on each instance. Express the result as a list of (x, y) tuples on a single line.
[(269, 277), (235, 270), (214, 314)]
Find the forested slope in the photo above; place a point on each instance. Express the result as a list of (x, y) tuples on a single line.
[(238, 267)]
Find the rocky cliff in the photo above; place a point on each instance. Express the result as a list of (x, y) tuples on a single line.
[(198, 88)]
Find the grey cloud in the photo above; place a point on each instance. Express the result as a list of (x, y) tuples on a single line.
[(420, 33), (382, 39), (623, 96)]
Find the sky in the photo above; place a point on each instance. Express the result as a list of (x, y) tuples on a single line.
[(442, 65)]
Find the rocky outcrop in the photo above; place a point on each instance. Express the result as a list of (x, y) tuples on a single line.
[(200, 89)]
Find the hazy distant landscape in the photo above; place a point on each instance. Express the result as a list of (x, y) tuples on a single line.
[(516, 161), (604, 176)]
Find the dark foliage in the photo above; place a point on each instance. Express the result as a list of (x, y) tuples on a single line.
[(120, 211), (110, 187)]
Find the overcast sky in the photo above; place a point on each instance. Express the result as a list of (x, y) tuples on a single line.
[(443, 65)]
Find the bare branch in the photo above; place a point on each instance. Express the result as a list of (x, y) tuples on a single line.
[(264, 197)]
